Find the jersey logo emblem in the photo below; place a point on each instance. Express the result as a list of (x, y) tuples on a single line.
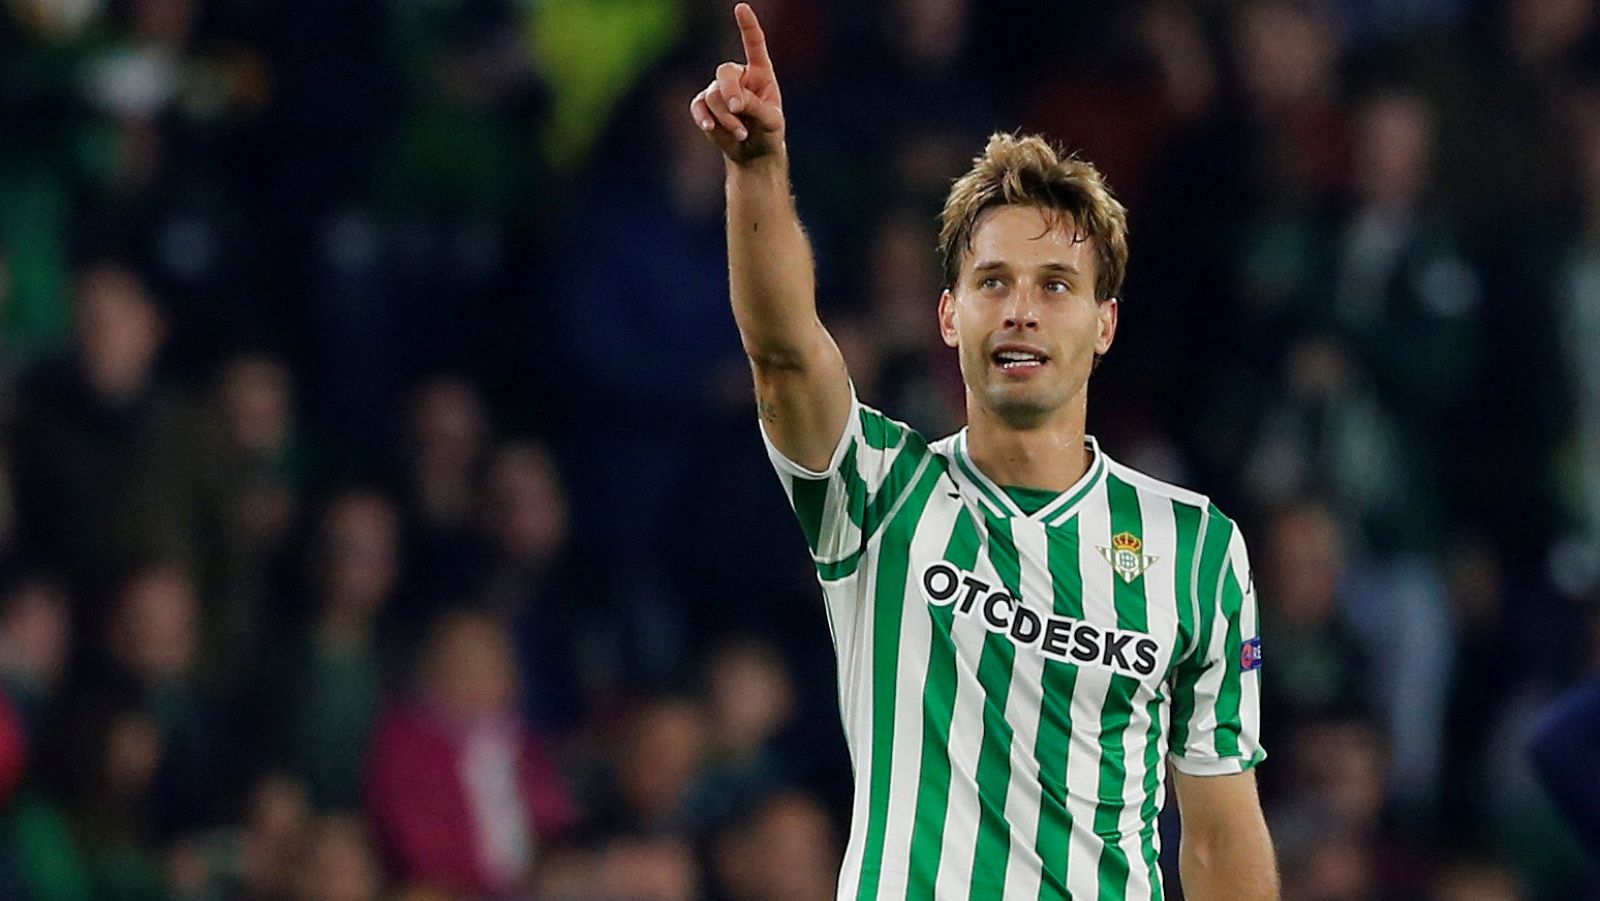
[(1250, 654), (1125, 557)]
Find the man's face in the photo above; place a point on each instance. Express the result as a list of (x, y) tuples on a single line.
[(1023, 315)]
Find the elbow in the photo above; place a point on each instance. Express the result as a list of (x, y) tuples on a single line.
[(784, 350), (1235, 863), (1200, 849), (772, 358)]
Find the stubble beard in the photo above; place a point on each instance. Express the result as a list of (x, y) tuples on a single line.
[(1019, 406), (1022, 410)]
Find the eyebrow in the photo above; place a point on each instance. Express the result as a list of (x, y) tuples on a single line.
[(991, 265)]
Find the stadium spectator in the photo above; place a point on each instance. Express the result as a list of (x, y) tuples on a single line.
[(1399, 270), (326, 687), (35, 647), (264, 473), (659, 868), (113, 468), (462, 795), (750, 703), (1321, 662), (1402, 271), (258, 858), (275, 835), (1336, 866), (113, 805), (152, 642), (661, 753), (529, 583), (340, 863), (446, 455), (783, 849)]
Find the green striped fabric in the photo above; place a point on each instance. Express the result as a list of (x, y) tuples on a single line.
[(1014, 682)]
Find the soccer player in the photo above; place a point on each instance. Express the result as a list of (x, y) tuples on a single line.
[(1027, 631)]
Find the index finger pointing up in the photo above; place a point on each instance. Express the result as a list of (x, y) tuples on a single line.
[(755, 41)]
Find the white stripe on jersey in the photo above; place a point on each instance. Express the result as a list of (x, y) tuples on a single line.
[(966, 741), (933, 534), (1022, 712), (1089, 699)]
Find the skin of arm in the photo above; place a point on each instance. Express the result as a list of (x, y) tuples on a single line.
[(802, 389), (1225, 853)]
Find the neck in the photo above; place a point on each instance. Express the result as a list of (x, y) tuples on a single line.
[(1051, 456)]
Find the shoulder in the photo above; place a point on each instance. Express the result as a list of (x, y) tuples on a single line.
[(1175, 493), (1212, 532), (883, 432), (886, 444)]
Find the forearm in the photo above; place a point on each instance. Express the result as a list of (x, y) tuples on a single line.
[(801, 384), (771, 275), (1237, 864)]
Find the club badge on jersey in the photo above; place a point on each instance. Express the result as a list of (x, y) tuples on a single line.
[(1124, 556)]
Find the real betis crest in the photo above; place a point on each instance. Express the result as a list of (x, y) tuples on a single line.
[(1125, 557)]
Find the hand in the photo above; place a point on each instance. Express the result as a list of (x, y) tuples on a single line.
[(741, 110)]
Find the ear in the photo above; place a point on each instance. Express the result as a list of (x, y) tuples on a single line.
[(1107, 311), (947, 319)]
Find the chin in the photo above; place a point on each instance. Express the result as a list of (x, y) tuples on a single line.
[(1019, 410)]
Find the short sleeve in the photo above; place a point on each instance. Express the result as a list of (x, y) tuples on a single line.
[(1216, 689), (841, 506)]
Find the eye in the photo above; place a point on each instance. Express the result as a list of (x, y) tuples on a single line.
[(1057, 286), (992, 283)]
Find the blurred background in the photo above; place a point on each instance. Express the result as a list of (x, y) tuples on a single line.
[(382, 509)]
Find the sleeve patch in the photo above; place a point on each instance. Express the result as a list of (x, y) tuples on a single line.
[(1250, 654)]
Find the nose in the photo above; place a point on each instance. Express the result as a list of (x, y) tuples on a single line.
[(1021, 312)]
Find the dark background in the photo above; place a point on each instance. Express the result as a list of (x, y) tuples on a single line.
[(360, 355)]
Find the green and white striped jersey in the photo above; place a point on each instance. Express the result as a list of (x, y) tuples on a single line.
[(1013, 684)]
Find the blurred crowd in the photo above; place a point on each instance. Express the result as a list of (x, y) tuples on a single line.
[(382, 510)]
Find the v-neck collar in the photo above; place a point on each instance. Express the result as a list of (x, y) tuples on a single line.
[(998, 503)]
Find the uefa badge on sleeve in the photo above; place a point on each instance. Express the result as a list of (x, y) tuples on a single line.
[(1250, 654)]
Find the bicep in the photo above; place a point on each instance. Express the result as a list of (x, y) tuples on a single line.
[(804, 400)]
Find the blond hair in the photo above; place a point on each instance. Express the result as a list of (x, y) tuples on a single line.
[(1029, 171)]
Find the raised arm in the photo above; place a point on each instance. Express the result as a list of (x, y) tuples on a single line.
[(802, 390)]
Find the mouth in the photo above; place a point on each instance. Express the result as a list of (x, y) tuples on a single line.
[(1018, 358)]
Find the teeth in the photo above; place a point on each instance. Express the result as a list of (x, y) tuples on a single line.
[(1009, 358)]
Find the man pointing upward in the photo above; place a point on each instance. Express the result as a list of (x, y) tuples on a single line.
[(1028, 633)]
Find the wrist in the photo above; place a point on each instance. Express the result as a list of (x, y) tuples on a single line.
[(773, 163)]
